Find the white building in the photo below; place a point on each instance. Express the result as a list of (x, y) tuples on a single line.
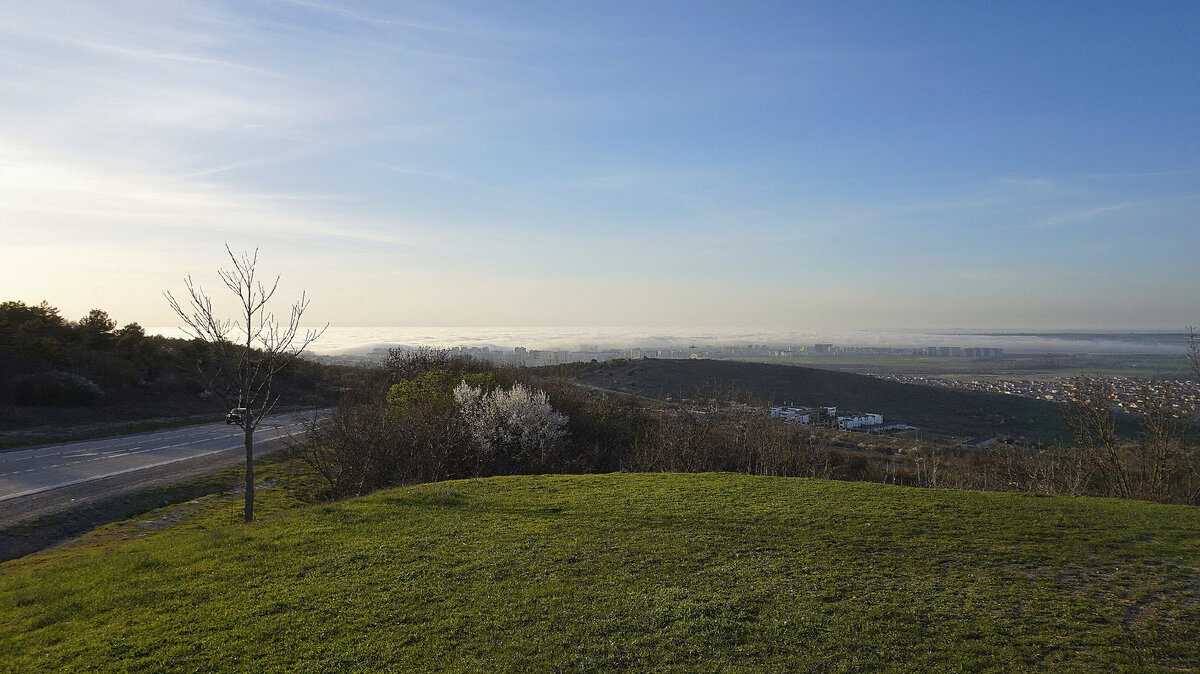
[(793, 415), (858, 421)]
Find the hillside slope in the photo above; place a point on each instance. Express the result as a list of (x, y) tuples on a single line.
[(937, 410), (625, 572)]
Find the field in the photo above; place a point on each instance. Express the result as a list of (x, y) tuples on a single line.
[(935, 410), (1011, 366), (623, 572)]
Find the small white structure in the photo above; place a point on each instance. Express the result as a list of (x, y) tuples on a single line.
[(858, 421), (792, 415)]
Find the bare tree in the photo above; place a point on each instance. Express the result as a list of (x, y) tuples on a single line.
[(1089, 415), (1193, 354), (247, 351), (1159, 464)]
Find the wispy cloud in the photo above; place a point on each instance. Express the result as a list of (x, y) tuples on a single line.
[(41, 193), (1090, 213), (442, 177), (153, 55), (345, 12), (612, 144), (449, 22)]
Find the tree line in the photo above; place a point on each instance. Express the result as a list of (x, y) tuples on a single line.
[(47, 359), (94, 369)]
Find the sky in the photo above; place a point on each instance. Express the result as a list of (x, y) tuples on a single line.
[(787, 165)]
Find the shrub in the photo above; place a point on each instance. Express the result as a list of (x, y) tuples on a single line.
[(354, 449), (517, 424), (386, 432), (1159, 465), (435, 387), (55, 389)]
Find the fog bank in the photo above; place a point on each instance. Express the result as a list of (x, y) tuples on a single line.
[(361, 341)]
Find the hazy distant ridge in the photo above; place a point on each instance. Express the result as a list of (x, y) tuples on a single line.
[(363, 340)]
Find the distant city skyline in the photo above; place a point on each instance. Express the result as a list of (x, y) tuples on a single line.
[(784, 165)]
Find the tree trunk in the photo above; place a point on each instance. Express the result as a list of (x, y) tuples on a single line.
[(249, 468)]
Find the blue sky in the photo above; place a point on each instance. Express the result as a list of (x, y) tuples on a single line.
[(782, 165)]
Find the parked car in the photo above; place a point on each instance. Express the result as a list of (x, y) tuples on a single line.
[(237, 415)]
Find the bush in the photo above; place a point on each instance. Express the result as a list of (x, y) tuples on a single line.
[(354, 449), (405, 364), (435, 387), (407, 422), (55, 389), (515, 426), (1161, 464)]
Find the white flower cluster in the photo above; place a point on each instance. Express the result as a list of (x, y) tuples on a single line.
[(520, 420)]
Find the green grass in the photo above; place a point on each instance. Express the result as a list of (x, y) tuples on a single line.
[(709, 572), (292, 485)]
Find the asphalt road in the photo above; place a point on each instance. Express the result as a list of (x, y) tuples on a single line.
[(49, 479)]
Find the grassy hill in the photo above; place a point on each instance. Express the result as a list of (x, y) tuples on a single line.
[(938, 410), (622, 572)]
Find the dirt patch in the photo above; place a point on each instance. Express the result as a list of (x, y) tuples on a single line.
[(172, 516)]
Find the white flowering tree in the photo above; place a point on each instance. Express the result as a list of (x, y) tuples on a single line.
[(516, 423)]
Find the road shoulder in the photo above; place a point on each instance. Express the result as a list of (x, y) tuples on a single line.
[(45, 519)]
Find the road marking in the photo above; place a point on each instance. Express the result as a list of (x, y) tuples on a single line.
[(84, 451), (278, 435), (112, 474)]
